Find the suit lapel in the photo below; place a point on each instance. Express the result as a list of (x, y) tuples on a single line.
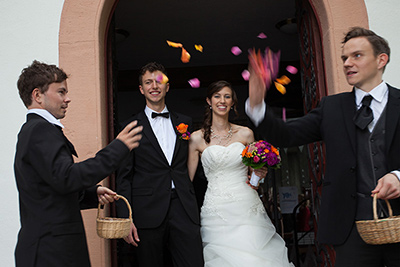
[(392, 115), (175, 122), (349, 108), (148, 132)]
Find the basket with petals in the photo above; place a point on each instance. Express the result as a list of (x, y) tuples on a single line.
[(114, 228), (380, 231)]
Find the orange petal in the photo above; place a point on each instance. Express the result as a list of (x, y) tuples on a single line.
[(185, 56), (162, 78), (280, 88), (199, 48), (176, 45), (283, 80)]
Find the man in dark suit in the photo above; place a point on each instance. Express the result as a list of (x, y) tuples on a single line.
[(362, 150), (52, 188), (156, 181)]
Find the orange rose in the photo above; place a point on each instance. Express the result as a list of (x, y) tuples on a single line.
[(182, 128)]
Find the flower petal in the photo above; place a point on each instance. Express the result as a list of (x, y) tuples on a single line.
[(199, 48), (283, 80), (246, 75), (185, 57), (162, 78), (194, 83), (173, 44), (280, 88), (262, 35), (291, 69), (236, 50)]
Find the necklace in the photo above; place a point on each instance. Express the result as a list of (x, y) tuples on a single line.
[(219, 138)]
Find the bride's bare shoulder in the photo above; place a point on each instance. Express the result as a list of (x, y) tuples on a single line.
[(244, 133), (196, 137)]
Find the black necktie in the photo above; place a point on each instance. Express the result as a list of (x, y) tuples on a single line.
[(364, 115), (165, 115)]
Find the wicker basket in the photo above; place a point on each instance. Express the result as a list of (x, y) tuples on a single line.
[(114, 228), (382, 231)]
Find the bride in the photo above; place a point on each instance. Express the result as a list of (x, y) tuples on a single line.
[(235, 228)]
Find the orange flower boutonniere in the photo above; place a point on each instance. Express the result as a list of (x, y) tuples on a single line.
[(182, 129)]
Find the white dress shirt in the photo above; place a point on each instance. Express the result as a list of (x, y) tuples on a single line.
[(164, 132), (45, 115)]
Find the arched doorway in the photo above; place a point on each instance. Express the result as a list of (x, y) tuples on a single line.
[(83, 32)]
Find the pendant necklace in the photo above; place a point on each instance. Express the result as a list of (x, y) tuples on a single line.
[(219, 138)]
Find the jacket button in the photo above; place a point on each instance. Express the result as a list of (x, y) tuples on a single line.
[(352, 169)]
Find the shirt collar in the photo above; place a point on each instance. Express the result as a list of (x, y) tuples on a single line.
[(148, 112), (45, 115), (378, 93)]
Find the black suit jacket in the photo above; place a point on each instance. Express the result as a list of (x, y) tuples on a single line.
[(332, 123), (52, 190), (146, 177)]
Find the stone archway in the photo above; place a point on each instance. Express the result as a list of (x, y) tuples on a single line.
[(83, 30)]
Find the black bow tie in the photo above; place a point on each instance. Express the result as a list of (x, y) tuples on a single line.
[(165, 115), (364, 115)]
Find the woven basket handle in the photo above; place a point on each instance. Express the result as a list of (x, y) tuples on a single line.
[(127, 204), (374, 207)]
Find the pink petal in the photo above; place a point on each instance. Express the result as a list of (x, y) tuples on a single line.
[(194, 83), (291, 69), (262, 35), (246, 75), (236, 50)]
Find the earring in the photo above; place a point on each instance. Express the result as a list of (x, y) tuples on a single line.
[(210, 107)]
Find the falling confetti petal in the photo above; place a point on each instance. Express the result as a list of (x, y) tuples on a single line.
[(173, 44), (162, 78), (185, 56), (262, 35), (283, 80), (266, 65), (280, 88), (236, 50), (284, 114), (199, 48), (291, 69), (246, 75), (195, 83)]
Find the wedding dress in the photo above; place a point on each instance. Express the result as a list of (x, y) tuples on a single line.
[(235, 228)]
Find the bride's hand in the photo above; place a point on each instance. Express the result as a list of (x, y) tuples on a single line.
[(249, 184), (262, 172)]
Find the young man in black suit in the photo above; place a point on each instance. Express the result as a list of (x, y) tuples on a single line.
[(362, 150), (155, 180), (52, 188)]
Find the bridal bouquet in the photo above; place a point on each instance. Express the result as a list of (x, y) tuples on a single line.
[(259, 154)]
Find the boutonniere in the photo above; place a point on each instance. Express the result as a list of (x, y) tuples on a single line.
[(182, 129)]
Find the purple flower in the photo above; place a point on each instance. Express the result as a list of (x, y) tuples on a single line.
[(272, 159)]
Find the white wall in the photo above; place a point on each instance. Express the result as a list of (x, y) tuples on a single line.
[(384, 21), (29, 30)]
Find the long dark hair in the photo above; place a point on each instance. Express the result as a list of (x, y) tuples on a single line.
[(213, 89)]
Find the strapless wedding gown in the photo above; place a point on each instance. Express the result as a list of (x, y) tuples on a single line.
[(235, 228)]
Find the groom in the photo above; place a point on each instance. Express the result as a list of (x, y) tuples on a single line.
[(156, 182)]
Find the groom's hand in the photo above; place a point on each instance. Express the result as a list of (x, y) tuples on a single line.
[(133, 237)]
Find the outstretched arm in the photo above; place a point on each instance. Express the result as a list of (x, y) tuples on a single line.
[(257, 88)]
